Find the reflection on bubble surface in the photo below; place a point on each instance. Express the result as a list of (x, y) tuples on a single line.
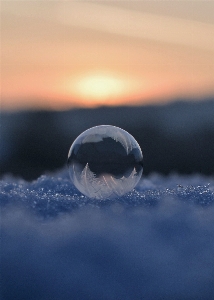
[(104, 162)]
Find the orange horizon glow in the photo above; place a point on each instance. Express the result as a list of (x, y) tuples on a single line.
[(94, 89)]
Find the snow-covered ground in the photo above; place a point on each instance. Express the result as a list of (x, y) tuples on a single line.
[(157, 242)]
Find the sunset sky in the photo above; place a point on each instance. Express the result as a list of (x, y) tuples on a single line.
[(64, 54)]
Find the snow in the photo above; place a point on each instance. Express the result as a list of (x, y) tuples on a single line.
[(156, 242)]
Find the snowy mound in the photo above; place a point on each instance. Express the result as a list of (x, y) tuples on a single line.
[(157, 242)]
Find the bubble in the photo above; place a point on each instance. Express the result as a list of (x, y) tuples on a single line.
[(105, 162)]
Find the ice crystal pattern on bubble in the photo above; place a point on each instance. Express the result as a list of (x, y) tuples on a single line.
[(104, 162)]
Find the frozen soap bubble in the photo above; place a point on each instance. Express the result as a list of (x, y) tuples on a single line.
[(105, 162)]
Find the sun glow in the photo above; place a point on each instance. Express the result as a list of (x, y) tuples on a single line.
[(96, 89), (100, 87)]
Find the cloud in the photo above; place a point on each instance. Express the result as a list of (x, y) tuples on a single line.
[(120, 21), (136, 24)]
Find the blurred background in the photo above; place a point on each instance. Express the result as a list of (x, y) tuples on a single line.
[(145, 66)]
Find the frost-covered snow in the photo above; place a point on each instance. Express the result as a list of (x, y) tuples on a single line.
[(157, 242)]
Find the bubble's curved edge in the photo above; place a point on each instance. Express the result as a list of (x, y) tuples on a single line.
[(103, 125)]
